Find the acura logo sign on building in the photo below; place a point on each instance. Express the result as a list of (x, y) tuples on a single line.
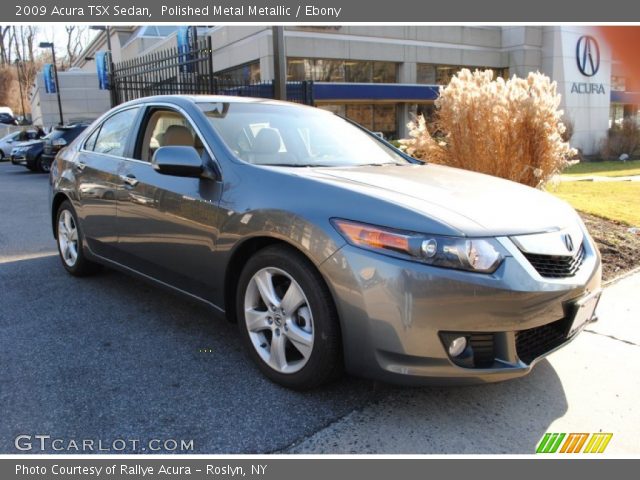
[(588, 61), (588, 55)]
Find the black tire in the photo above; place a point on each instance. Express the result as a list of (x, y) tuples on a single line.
[(42, 166), (325, 360), (1, 155), (82, 266)]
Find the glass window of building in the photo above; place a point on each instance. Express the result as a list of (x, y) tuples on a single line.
[(618, 84), (385, 72), (247, 73), (616, 114), (427, 110), (374, 117), (432, 74), (357, 71), (331, 70)]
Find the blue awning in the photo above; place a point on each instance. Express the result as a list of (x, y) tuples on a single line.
[(395, 92), (629, 98)]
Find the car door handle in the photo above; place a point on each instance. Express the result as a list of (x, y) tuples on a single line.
[(130, 180), (80, 166)]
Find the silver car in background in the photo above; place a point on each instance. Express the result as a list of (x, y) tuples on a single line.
[(330, 249)]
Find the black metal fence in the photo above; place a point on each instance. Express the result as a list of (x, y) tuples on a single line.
[(172, 72)]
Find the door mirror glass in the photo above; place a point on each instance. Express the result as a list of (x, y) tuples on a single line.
[(177, 160)]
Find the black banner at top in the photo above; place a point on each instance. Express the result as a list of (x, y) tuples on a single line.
[(320, 11)]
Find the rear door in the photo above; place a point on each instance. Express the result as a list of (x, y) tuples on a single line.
[(98, 169), (168, 225)]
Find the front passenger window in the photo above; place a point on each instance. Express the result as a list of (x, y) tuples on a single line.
[(168, 128), (114, 133)]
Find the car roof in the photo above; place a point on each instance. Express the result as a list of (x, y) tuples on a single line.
[(194, 99)]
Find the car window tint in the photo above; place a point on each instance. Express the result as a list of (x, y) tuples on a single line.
[(287, 135), (114, 133), (91, 141)]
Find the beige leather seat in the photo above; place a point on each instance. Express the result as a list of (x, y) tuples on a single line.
[(177, 136), (266, 149)]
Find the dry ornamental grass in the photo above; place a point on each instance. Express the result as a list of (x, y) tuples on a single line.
[(510, 129)]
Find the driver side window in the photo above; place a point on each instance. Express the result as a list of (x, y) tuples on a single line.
[(167, 128)]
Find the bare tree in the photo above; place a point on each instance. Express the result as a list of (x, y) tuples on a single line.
[(75, 41), (3, 48)]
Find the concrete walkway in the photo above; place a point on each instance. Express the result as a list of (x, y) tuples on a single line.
[(591, 385), (598, 178)]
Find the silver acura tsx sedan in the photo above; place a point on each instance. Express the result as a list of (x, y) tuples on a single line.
[(331, 249)]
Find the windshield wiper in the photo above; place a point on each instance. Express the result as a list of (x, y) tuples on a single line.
[(379, 164), (296, 165)]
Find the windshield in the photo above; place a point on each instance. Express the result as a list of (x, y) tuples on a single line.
[(287, 135), (68, 133)]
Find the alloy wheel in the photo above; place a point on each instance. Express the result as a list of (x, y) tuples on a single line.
[(279, 320), (68, 238)]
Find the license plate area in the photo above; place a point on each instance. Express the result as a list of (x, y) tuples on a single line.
[(583, 311)]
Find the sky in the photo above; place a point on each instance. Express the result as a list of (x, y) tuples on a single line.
[(57, 34)]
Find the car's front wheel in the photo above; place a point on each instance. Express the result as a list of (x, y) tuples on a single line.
[(43, 165), (69, 239), (288, 320)]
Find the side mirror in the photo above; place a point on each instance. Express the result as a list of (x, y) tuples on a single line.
[(179, 161)]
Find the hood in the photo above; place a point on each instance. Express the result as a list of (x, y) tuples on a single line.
[(472, 203), (28, 143)]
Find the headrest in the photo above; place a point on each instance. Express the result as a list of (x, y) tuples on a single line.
[(177, 135), (267, 141)]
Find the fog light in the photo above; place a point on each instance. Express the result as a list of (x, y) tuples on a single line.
[(429, 248), (457, 346)]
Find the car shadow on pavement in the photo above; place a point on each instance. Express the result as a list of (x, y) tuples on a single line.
[(110, 357), (507, 417)]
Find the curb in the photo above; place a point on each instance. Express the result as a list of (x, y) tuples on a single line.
[(621, 277)]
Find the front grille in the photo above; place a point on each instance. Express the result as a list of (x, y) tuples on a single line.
[(534, 342), (483, 350), (556, 266)]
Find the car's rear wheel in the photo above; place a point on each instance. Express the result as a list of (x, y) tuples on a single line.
[(42, 165), (70, 242), (288, 320)]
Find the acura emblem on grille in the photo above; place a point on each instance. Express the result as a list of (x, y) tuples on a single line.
[(568, 241)]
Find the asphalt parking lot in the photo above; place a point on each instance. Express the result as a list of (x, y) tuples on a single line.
[(109, 357)]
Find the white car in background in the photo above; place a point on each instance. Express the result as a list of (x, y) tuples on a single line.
[(9, 141)]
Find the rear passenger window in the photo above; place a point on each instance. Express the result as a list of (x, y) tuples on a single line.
[(114, 132)]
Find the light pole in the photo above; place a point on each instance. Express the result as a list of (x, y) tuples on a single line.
[(107, 31), (17, 62), (55, 73), (279, 63)]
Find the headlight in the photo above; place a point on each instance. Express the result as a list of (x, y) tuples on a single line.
[(472, 254), (59, 142)]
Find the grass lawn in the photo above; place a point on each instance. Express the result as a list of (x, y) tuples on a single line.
[(613, 200), (604, 169)]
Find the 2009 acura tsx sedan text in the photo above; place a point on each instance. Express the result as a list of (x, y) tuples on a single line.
[(331, 249)]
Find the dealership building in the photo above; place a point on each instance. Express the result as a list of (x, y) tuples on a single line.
[(380, 76)]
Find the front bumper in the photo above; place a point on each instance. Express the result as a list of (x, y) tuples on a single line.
[(19, 159), (394, 314)]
